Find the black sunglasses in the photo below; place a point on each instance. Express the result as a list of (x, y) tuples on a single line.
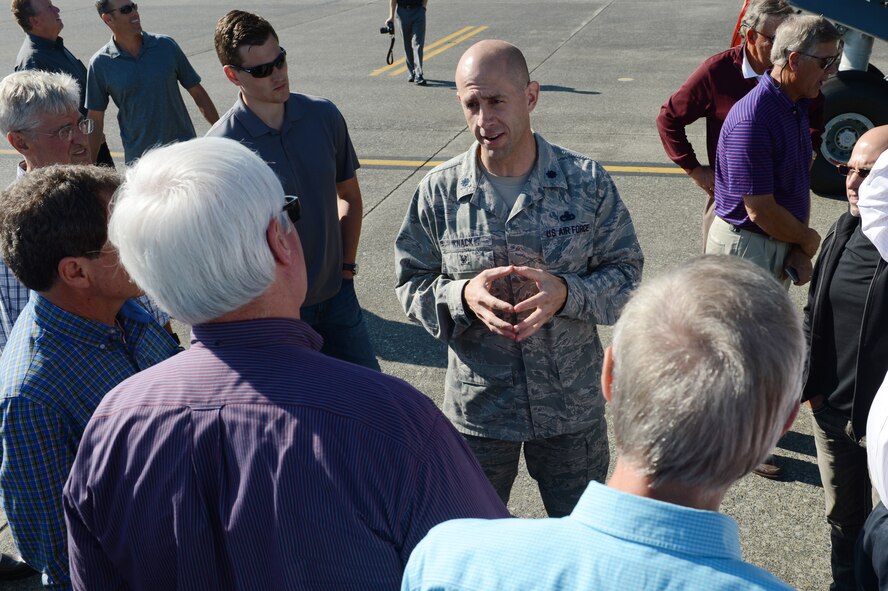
[(265, 70), (125, 9), (825, 61), (292, 208), (845, 170)]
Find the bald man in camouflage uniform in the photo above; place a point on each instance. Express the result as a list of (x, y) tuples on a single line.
[(512, 254)]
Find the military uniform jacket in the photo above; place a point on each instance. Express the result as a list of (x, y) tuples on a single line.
[(569, 220)]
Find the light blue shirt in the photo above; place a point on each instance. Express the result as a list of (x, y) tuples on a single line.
[(612, 540)]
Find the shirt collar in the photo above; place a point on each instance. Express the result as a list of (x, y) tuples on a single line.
[(44, 43), (746, 68), (546, 173), (658, 524), (262, 332), (255, 126), (770, 86), (147, 41), (131, 318)]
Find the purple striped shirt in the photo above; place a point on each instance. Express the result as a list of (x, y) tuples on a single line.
[(252, 461), (764, 147)]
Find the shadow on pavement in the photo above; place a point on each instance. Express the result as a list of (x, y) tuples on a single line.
[(405, 342), (795, 470), (554, 88), (799, 443)]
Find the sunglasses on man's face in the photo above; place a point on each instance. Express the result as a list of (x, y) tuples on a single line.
[(125, 9), (265, 70), (845, 170)]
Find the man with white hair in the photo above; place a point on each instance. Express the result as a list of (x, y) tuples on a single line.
[(703, 378), (78, 337), (278, 466)]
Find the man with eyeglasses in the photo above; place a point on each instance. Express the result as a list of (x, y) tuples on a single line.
[(714, 87), (846, 321), (305, 141), (250, 461), (141, 72), (78, 337), (764, 155), (43, 49)]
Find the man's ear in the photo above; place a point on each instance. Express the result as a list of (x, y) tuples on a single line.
[(607, 374), (106, 18), (275, 235), (72, 272), (750, 36), (533, 95), (18, 141), (231, 74)]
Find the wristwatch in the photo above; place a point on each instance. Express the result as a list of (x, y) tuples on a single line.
[(353, 267)]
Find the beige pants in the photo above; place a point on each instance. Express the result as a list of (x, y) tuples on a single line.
[(761, 250)]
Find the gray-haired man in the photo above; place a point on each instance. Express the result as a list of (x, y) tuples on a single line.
[(703, 378), (511, 254)]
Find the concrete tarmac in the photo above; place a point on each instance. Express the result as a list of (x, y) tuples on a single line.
[(605, 67)]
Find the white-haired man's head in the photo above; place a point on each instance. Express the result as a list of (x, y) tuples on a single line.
[(706, 373), (197, 224)]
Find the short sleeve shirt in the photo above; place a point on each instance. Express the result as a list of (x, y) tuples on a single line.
[(764, 148), (38, 53), (145, 89), (310, 154)]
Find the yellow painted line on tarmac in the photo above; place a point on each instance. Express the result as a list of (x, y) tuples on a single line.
[(608, 167), (430, 54), (401, 163), (402, 61)]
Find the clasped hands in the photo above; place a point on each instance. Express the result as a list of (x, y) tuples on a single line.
[(549, 299)]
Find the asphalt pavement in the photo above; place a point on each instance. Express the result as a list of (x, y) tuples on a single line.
[(605, 68)]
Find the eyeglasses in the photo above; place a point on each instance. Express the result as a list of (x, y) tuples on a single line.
[(264, 70), (292, 208), (770, 38), (125, 9), (825, 61), (66, 133), (845, 170)]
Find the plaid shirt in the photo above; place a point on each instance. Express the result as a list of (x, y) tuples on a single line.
[(53, 373), (13, 297)]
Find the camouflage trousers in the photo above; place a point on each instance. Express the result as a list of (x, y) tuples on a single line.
[(562, 466)]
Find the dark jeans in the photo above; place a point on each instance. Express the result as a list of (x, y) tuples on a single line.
[(340, 321)]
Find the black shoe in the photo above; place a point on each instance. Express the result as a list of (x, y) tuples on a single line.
[(410, 78), (420, 81), (13, 567)]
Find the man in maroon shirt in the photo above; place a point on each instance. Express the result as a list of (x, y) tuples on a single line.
[(715, 86)]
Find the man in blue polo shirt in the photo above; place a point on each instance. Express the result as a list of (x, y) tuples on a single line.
[(43, 49), (305, 141), (763, 160), (141, 72)]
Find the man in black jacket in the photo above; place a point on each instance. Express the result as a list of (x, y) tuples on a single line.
[(846, 322)]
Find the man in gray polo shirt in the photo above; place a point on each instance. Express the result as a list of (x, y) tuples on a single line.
[(305, 141), (140, 71)]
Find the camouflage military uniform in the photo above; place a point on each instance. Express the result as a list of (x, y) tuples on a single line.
[(569, 221)]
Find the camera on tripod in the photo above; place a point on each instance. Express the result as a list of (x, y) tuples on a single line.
[(387, 29)]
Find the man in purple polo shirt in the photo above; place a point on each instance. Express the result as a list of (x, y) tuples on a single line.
[(764, 155), (253, 461)]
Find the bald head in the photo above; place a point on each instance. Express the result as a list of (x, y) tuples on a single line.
[(494, 55), (866, 151)]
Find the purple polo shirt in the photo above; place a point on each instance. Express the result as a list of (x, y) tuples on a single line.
[(764, 147), (255, 462)]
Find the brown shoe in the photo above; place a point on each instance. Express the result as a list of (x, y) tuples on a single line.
[(769, 469)]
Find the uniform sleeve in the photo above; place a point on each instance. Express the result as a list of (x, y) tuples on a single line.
[(186, 74), (427, 295), (38, 451), (615, 265), (96, 94), (688, 104), (450, 485)]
